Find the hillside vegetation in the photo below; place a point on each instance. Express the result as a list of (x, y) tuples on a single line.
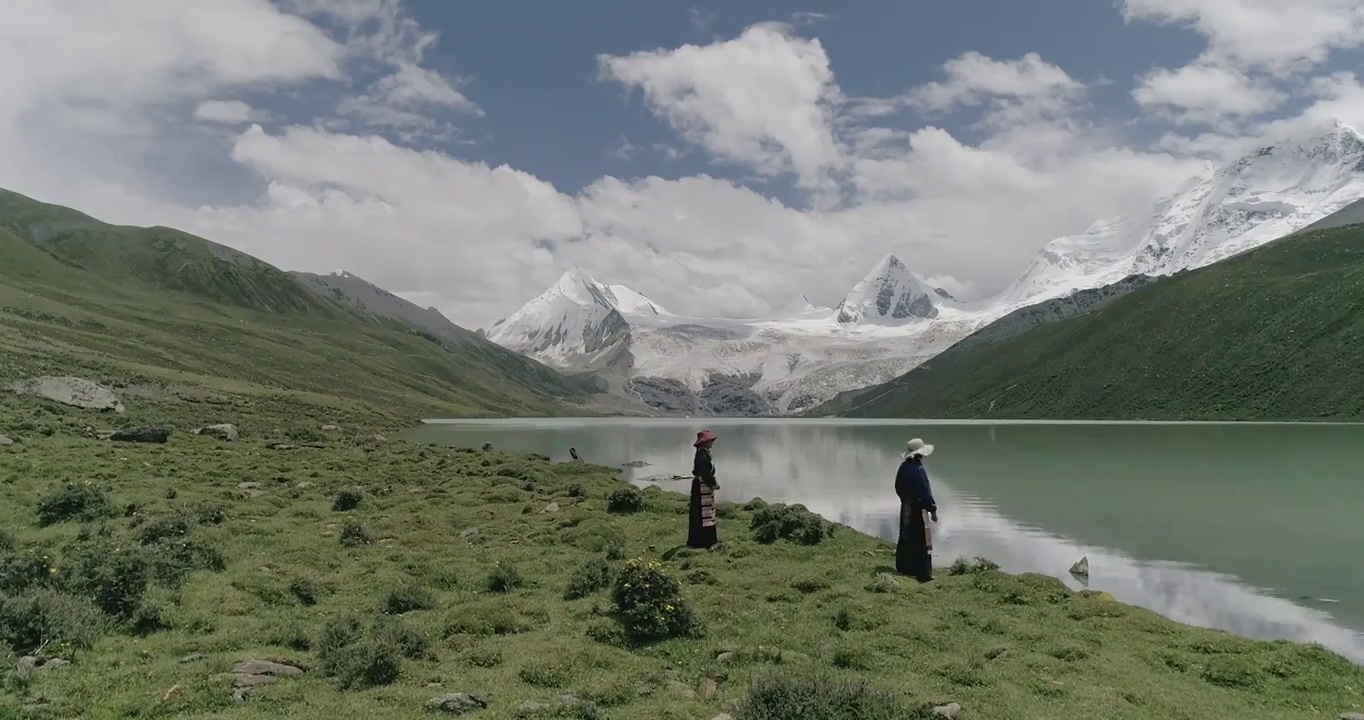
[(180, 318), (1273, 334)]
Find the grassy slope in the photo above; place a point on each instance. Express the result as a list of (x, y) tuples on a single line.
[(162, 308), (1002, 646), (1275, 333)]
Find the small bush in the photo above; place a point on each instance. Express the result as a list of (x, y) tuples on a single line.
[(49, 618), (962, 566), (591, 576), (777, 696), (485, 620), (354, 535), (484, 658), (357, 654), (7, 541), (166, 528), (304, 590), (74, 502), (810, 585), (789, 522), (755, 504), (147, 619), (348, 499), (407, 598), (649, 604), (114, 578), (626, 499), (504, 578), (702, 576), (21, 571), (304, 434), (614, 549), (210, 514), (172, 561), (545, 673), (576, 490)]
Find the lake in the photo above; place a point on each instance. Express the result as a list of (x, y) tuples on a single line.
[(1253, 528)]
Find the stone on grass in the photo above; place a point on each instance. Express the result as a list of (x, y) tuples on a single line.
[(5, 441), (145, 434), (949, 711), (192, 657), (469, 532), (457, 703), (280, 446), (73, 391), (330, 428), (1352, 716), (29, 663), (723, 716), (551, 508), (682, 689), (1081, 568), (250, 673), (709, 689), (222, 431)]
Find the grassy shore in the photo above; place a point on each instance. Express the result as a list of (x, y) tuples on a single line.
[(393, 574)]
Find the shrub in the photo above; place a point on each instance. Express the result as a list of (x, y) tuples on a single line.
[(577, 490), (778, 696), (20, 571), (545, 673), (166, 527), (304, 590), (504, 578), (962, 566), (173, 560), (755, 504), (810, 585), (74, 501), (407, 598), (359, 654), (789, 522), (348, 499), (649, 604), (49, 618), (7, 541), (304, 433), (354, 535), (591, 576), (147, 619), (114, 578), (210, 513), (614, 549), (485, 620), (626, 499)]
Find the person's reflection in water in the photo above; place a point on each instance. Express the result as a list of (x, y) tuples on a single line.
[(701, 531), (914, 551)]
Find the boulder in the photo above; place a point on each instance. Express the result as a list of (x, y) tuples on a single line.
[(457, 703), (223, 431), (1081, 568), (29, 663), (145, 434), (635, 464), (949, 711), (1352, 716), (73, 391), (5, 441)]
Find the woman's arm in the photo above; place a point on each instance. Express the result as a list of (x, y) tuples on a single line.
[(925, 491)]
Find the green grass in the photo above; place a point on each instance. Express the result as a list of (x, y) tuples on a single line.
[(1273, 334), (448, 608), (182, 320)]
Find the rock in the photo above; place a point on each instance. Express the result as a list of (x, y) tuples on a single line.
[(330, 428), (949, 711), (304, 485), (487, 447), (144, 434), (280, 446), (456, 703), (723, 716), (250, 673), (682, 689), (1352, 716), (469, 533), (724, 658), (29, 663), (1081, 568), (192, 657), (5, 441), (73, 391), (531, 708), (635, 464), (249, 489), (551, 508), (709, 689), (241, 695), (223, 431)]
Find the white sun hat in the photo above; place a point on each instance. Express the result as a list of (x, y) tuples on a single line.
[(918, 447)]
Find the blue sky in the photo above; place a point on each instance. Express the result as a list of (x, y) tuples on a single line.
[(718, 157)]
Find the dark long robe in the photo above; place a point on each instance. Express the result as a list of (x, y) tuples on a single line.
[(701, 531), (913, 554)]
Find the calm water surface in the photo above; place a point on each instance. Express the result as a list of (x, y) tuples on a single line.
[(1256, 529)]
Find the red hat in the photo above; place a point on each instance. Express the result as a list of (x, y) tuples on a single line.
[(703, 437)]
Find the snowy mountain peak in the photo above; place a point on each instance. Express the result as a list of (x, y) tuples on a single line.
[(1265, 194), (889, 294)]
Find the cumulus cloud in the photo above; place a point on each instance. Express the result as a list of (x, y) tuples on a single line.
[(356, 185), (1204, 92)]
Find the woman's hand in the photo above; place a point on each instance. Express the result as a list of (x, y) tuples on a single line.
[(934, 515)]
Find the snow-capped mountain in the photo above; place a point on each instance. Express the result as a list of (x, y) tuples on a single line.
[(1264, 195), (892, 320), (889, 293)]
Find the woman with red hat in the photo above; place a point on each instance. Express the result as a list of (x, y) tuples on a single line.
[(701, 532)]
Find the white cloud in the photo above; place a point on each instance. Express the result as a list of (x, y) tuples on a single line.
[(1271, 34), (228, 112), (477, 240), (764, 99), (1204, 92)]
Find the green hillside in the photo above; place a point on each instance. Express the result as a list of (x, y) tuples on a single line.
[(1272, 334), (177, 318)]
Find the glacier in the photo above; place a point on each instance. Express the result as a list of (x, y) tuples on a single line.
[(891, 320)]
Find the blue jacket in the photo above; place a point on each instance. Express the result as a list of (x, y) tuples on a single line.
[(911, 484)]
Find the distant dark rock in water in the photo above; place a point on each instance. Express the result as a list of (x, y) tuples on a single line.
[(635, 464), (487, 447), (142, 435), (1081, 568), (73, 391)]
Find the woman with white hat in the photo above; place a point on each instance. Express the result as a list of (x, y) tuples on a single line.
[(913, 552)]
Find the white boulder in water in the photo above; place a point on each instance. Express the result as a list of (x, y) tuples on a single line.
[(73, 391)]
